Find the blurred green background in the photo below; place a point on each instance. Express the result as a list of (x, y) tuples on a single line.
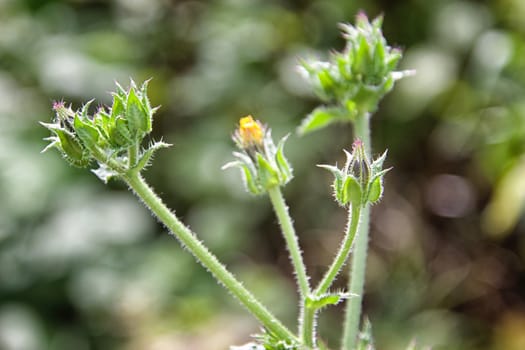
[(84, 266)]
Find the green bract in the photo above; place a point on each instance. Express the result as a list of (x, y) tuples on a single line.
[(112, 137), (353, 81), (263, 165), (359, 182)]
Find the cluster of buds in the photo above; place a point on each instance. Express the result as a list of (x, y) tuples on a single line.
[(262, 164), (360, 181), (353, 82), (108, 136)]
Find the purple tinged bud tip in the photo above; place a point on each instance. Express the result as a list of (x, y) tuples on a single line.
[(58, 105), (357, 144), (361, 16)]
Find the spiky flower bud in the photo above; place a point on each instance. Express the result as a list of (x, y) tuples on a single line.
[(353, 81), (360, 181), (262, 164), (112, 137)]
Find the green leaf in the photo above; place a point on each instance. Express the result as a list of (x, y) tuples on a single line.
[(319, 302), (326, 80), (393, 59), (86, 132), (250, 182), (85, 109), (379, 60), (362, 58), (268, 175), (375, 191), (144, 96), (102, 122), (71, 148), (282, 162), (351, 191), (145, 158), (377, 164), (138, 119), (119, 133), (117, 109), (320, 118)]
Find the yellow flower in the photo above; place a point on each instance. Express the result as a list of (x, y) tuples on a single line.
[(250, 132)]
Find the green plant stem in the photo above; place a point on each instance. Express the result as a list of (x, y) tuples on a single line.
[(357, 273), (281, 211), (204, 256), (343, 253), (103, 158), (133, 153), (308, 327), (310, 314)]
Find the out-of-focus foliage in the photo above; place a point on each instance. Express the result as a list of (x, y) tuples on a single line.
[(83, 266)]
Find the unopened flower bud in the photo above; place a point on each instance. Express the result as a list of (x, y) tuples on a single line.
[(250, 134), (263, 165), (359, 181)]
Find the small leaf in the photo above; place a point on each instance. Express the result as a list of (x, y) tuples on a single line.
[(351, 191), (320, 118), (379, 66), (325, 300), (377, 164), (119, 134), (86, 132), (268, 175), (117, 109), (103, 123), (145, 158), (326, 80), (144, 96), (393, 59), (250, 182), (282, 162), (375, 191), (138, 119), (362, 57), (85, 109), (71, 147)]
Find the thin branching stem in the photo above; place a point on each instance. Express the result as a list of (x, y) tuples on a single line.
[(204, 256), (343, 253), (357, 273), (292, 244), (133, 153), (308, 334), (310, 314)]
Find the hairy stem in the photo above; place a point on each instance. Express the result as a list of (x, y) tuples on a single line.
[(133, 153), (357, 273), (204, 256), (292, 244), (308, 327), (343, 253), (308, 333), (281, 210)]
